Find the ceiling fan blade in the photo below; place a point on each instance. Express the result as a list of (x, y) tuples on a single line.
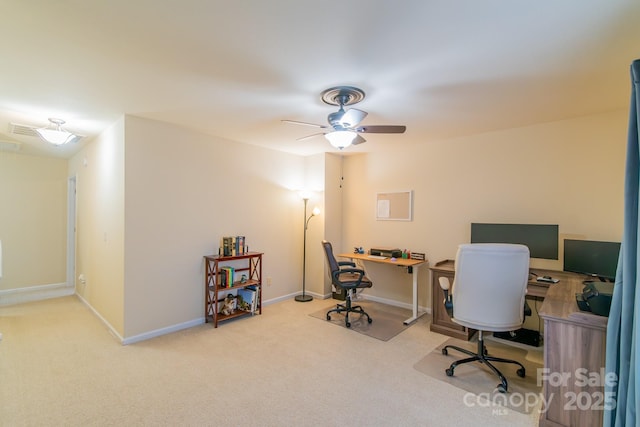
[(381, 129), (295, 122), (352, 117), (358, 140), (310, 136)]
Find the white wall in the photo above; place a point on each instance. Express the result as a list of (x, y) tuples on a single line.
[(333, 210), (184, 191), (99, 171), (33, 212), (568, 173)]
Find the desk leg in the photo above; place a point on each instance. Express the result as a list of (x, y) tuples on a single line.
[(415, 297)]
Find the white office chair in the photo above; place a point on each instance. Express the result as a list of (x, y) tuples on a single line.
[(488, 295)]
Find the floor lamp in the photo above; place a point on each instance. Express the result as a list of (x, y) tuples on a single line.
[(304, 297)]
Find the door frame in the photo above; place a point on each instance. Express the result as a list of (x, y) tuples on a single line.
[(71, 230)]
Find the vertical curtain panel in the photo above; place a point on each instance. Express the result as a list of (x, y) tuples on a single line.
[(623, 326)]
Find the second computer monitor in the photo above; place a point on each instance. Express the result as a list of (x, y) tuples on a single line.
[(541, 239)]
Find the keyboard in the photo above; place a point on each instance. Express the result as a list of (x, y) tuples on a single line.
[(376, 257)]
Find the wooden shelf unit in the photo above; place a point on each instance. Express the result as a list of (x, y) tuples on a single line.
[(252, 268)]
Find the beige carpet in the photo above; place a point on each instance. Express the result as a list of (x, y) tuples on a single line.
[(59, 366), (387, 320), (476, 378)]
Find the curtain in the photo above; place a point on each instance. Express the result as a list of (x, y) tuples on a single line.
[(623, 346)]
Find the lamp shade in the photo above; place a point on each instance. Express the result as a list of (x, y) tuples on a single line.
[(54, 133), (341, 138)]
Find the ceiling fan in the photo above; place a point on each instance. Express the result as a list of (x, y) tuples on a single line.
[(344, 125)]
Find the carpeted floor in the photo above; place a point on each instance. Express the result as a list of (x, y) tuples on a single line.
[(60, 366), (524, 393), (387, 320)]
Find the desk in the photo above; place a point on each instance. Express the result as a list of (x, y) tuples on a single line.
[(573, 340), (412, 264), (443, 324)]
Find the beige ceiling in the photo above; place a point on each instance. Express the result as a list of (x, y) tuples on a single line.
[(236, 68)]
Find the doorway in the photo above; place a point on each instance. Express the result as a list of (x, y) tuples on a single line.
[(71, 231)]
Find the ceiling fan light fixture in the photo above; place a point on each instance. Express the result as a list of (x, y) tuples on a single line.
[(341, 138), (54, 133)]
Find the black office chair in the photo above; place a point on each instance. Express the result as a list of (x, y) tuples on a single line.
[(348, 279), (488, 295)]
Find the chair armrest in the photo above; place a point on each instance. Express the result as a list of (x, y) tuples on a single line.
[(344, 263), (354, 282), (448, 300)]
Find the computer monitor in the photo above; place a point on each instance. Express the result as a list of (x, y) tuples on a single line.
[(541, 239), (594, 258)]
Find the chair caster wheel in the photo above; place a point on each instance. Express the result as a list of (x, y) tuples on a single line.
[(369, 320), (348, 324), (449, 372), (444, 351), (328, 317), (502, 388), (521, 372)]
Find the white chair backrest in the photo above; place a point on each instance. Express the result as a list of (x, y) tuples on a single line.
[(489, 286)]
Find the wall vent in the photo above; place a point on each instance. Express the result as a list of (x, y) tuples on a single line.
[(22, 130), (26, 130)]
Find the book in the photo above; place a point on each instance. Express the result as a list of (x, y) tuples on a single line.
[(233, 246), (226, 276), (249, 299), (257, 301), (240, 245), (225, 246)]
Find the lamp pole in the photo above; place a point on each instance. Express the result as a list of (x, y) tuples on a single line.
[(304, 297)]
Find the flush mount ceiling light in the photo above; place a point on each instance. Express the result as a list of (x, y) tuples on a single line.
[(54, 133), (341, 138)]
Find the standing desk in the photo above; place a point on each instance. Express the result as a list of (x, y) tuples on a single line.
[(412, 264)]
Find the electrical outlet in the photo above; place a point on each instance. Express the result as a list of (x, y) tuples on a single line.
[(268, 281)]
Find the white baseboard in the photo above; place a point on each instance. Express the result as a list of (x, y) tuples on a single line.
[(145, 335), (35, 293), (162, 331), (102, 319), (395, 303)]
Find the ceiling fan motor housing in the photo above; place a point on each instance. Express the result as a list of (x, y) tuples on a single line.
[(334, 119), (342, 95)]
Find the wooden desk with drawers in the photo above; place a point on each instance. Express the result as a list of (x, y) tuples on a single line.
[(442, 323), (574, 346)]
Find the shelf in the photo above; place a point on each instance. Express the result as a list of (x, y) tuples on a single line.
[(237, 285), (237, 313), (250, 264), (231, 258)]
